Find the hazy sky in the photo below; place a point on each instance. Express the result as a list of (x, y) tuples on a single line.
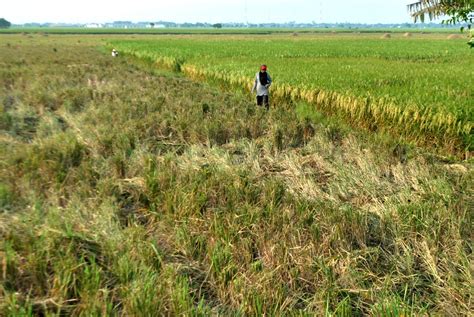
[(84, 11)]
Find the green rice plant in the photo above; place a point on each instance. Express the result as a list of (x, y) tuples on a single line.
[(6, 197), (349, 82), (392, 306), (182, 300), (13, 306)]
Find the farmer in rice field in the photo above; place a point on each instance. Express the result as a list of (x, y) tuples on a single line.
[(261, 85), (114, 53)]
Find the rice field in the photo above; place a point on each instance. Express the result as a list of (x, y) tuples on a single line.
[(209, 30), (129, 190), (417, 86)]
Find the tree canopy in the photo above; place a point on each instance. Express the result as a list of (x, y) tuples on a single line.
[(4, 23), (457, 11)]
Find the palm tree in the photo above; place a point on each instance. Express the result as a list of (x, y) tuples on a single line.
[(456, 10)]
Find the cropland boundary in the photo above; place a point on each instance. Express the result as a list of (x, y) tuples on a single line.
[(213, 31)]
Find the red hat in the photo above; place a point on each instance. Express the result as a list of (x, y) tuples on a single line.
[(263, 67)]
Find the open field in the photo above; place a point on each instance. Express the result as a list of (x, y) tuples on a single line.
[(59, 30), (417, 86), (129, 191)]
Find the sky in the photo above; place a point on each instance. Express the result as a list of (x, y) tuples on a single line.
[(212, 11)]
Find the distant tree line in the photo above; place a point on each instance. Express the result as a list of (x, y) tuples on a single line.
[(4, 24)]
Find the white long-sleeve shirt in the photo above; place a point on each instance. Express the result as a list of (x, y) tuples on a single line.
[(261, 89)]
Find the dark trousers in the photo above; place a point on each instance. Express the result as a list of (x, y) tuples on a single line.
[(263, 100)]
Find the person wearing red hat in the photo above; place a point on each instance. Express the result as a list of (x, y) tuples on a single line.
[(261, 85)]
